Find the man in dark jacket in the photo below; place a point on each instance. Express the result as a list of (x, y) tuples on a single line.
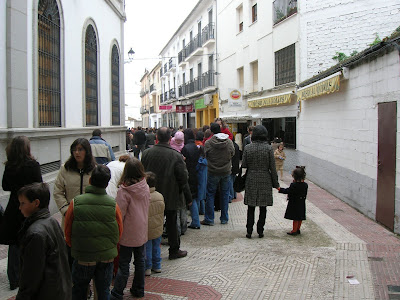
[(140, 141), (101, 150), (170, 169), (219, 152), (44, 264)]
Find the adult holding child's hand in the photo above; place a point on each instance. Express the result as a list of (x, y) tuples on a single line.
[(258, 159)]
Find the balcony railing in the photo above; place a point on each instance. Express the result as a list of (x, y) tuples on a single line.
[(208, 33), (152, 109), (181, 55), (172, 94), (206, 80), (142, 93), (284, 9), (143, 110), (152, 88), (162, 98), (171, 64), (165, 68)]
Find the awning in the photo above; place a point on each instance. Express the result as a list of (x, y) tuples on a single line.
[(322, 87), (281, 99)]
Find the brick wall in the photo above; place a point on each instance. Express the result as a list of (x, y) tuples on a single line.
[(334, 26)]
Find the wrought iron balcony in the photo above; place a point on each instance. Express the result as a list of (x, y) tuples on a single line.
[(172, 94), (284, 9), (152, 88), (143, 110), (171, 64), (152, 109), (165, 68), (181, 55), (162, 98), (208, 33)]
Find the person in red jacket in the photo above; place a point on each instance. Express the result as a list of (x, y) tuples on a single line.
[(224, 128)]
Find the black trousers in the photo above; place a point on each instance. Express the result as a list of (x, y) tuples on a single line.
[(172, 230), (261, 219)]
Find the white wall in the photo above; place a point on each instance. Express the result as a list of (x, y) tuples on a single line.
[(334, 26), (76, 15), (257, 42), (342, 127), (3, 65)]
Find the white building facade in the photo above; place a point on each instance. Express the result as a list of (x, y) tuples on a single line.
[(62, 75), (188, 80), (258, 63)]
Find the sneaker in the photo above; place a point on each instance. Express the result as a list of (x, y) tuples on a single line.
[(147, 272), (179, 254), (224, 222), (156, 270), (193, 227)]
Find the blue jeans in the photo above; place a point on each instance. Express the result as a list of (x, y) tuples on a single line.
[(232, 193), (125, 256), (153, 254), (202, 207), (212, 185), (194, 211), (81, 276)]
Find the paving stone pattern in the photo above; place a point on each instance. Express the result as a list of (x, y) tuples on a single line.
[(336, 242)]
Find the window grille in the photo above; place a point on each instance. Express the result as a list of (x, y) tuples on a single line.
[(285, 65), (115, 86), (91, 77), (50, 167), (49, 82)]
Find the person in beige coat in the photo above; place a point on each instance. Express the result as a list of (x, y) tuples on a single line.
[(280, 157), (156, 222), (73, 178)]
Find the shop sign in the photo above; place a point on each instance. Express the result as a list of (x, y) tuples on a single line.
[(327, 86), (199, 103), (271, 101), (165, 107), (184, 108), (235, 98)]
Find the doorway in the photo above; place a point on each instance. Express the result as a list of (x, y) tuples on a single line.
[(387, 127)]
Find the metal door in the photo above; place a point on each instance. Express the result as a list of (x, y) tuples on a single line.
[(387, 126)]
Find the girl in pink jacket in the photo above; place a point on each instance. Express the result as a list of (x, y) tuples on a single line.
[(133, 198)]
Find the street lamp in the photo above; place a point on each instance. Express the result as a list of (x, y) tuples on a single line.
[(130, 56)]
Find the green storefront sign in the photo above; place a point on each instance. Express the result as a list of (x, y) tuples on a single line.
[(199, 104)]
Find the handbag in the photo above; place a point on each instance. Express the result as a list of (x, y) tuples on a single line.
[(240, 182)]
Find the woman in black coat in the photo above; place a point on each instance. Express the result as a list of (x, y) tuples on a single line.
[(21, 169), (191, 153)]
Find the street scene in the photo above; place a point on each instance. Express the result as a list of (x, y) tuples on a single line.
[(199, 149)]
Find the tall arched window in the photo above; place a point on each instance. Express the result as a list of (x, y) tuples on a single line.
[(115, 86), (49, 83), (91, 77)]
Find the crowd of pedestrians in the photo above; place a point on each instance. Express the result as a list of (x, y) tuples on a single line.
[(115, 209)]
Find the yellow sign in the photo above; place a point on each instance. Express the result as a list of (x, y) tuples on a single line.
[(328, 86), (270, 101)]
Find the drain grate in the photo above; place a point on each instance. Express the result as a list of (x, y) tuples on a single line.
[(337, 209), (375, 258)]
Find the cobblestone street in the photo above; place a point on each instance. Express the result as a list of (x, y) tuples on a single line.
[(336, 241)]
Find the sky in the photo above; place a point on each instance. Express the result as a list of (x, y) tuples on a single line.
[(149, 26)]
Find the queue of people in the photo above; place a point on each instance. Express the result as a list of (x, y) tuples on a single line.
[(111, 212)]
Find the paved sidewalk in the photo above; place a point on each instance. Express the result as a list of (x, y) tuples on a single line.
[(336, 242)]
